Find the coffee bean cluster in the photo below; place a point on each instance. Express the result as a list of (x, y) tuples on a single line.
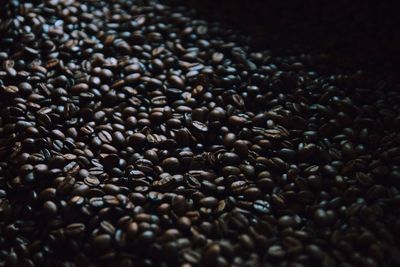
[(135, 133)]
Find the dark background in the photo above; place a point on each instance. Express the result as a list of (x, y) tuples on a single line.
[(359, 34)]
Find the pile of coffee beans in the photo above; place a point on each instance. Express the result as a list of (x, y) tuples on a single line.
[(135, 133)]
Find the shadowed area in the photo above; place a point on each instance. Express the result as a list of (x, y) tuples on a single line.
[(363, 33)]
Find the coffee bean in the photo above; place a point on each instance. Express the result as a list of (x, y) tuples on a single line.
[(140, 134), (79, 88), (323, 217), (276, 252), (137, 140), (91, 181), (211, 254), (50, 208), (237, 121), (48, 193), (199, 126), (105, 136), (229, 158), (102, 242), (25, 87), (217, 57), (217, 114), (209, 202), (74, 229), (179, 204), (176, 81), (170, 164), (241, 148), (262, 206), (184, 223)]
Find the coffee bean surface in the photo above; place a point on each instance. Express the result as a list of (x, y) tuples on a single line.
[(136, 133)]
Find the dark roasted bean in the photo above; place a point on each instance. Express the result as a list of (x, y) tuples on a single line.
[(209, 202), (241, 148), (170, 164), (79, 88), (102, 242), (136, 133), (50, 208)]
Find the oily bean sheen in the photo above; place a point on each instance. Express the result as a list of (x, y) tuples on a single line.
[(140, 133)]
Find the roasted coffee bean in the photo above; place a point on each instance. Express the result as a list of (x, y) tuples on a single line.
[(209, 202), (241, 148), (262, 206), (105, 137), (201, 127), (211, 254), (323, 217), (170, 164), (229, 158), (137, 140), (11, 89), (102, 242), (135, 133), (79, 88), (217, 114), (276, 251), (217, 57), (74, 229), (48, 193), (50, 208)]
